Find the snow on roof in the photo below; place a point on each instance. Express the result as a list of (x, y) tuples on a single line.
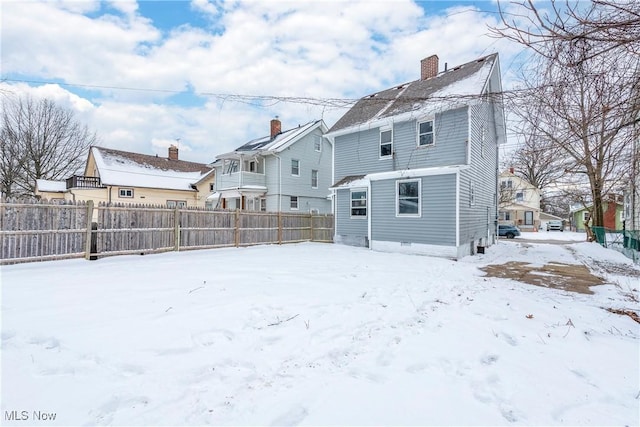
[(51, 186), (352, 181), (280, 142), (448, 89), (138, 170)]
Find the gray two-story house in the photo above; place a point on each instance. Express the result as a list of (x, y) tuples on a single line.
[(284, 171), (416, 165)]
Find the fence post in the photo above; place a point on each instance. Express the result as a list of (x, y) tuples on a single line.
[(312, 236), (237, 228), (89, 235), (176, 229), (279, 227)]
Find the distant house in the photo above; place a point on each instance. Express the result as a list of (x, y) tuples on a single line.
[(115, 176), (613, 208), (632, 190), (284, 171), (415, 165), (519, 202)]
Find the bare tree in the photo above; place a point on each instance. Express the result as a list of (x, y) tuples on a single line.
[(39, 140), (584, 84)]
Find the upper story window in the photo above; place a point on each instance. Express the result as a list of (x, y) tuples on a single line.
[(408, 197), (519, 196), (314, 179), (425, 133), (295, 167), (386, 143), (359, 203), (317, 143), (231, 166), (212, 186), (254, 165), (125, 192)]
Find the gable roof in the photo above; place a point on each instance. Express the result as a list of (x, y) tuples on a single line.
[(140, 170), (449, 88), (284, 139)]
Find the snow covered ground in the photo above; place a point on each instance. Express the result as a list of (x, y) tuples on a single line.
[(317, 334)]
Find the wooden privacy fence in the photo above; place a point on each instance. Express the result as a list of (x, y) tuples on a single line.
[(38, 230)]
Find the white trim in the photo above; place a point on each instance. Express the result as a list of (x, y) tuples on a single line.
[(414, 248), (297, 203), (433, 131), (385, 129), (360, 189), (457, 209), (415, 173), (369, 205), (409, 215), (469, 139)]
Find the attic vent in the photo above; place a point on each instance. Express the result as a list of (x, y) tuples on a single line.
[(401, 87)]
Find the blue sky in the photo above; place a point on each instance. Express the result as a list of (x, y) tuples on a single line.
[(213, 73)]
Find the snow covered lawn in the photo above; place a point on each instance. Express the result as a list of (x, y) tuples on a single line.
[(318, 334)]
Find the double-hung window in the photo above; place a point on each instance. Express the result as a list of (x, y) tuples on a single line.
[(359, 203), (295, 167), (314, 179), (386, 143), (293, 203), (317, 143), (425, 133), (408, 198), (125, 192)]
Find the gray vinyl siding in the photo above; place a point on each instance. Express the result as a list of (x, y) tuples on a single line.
[(300, 186), (436, 226), (478, 221), (358, 153), (451, 130), (349, 230)]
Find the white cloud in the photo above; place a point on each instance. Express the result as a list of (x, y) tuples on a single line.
[(319, 49)]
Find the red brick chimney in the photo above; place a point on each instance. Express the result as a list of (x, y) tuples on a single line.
[(512, 170), (429, 67), (276, 127), (173, 152)]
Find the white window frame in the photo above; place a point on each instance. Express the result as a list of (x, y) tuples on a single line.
[(584, 215), (409, 215), (366, 203), (520, 196), (125, 193), (390, 143), (171, 204), (433, 133), (294, 203), (317, 143), (314, 178), (297, 167)]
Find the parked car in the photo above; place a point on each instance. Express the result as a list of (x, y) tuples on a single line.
[(555, 224), (508, 231)]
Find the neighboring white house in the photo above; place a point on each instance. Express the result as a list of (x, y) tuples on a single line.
[(519, 202), (415, 165), (284, 171)]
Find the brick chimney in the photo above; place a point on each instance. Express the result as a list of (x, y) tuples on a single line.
[(512, 170), (173, 152), (429, 67), (276, 127)]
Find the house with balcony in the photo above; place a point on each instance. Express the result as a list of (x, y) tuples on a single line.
[(519, 202), (286, 170), (114, 176), (416, 165)]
